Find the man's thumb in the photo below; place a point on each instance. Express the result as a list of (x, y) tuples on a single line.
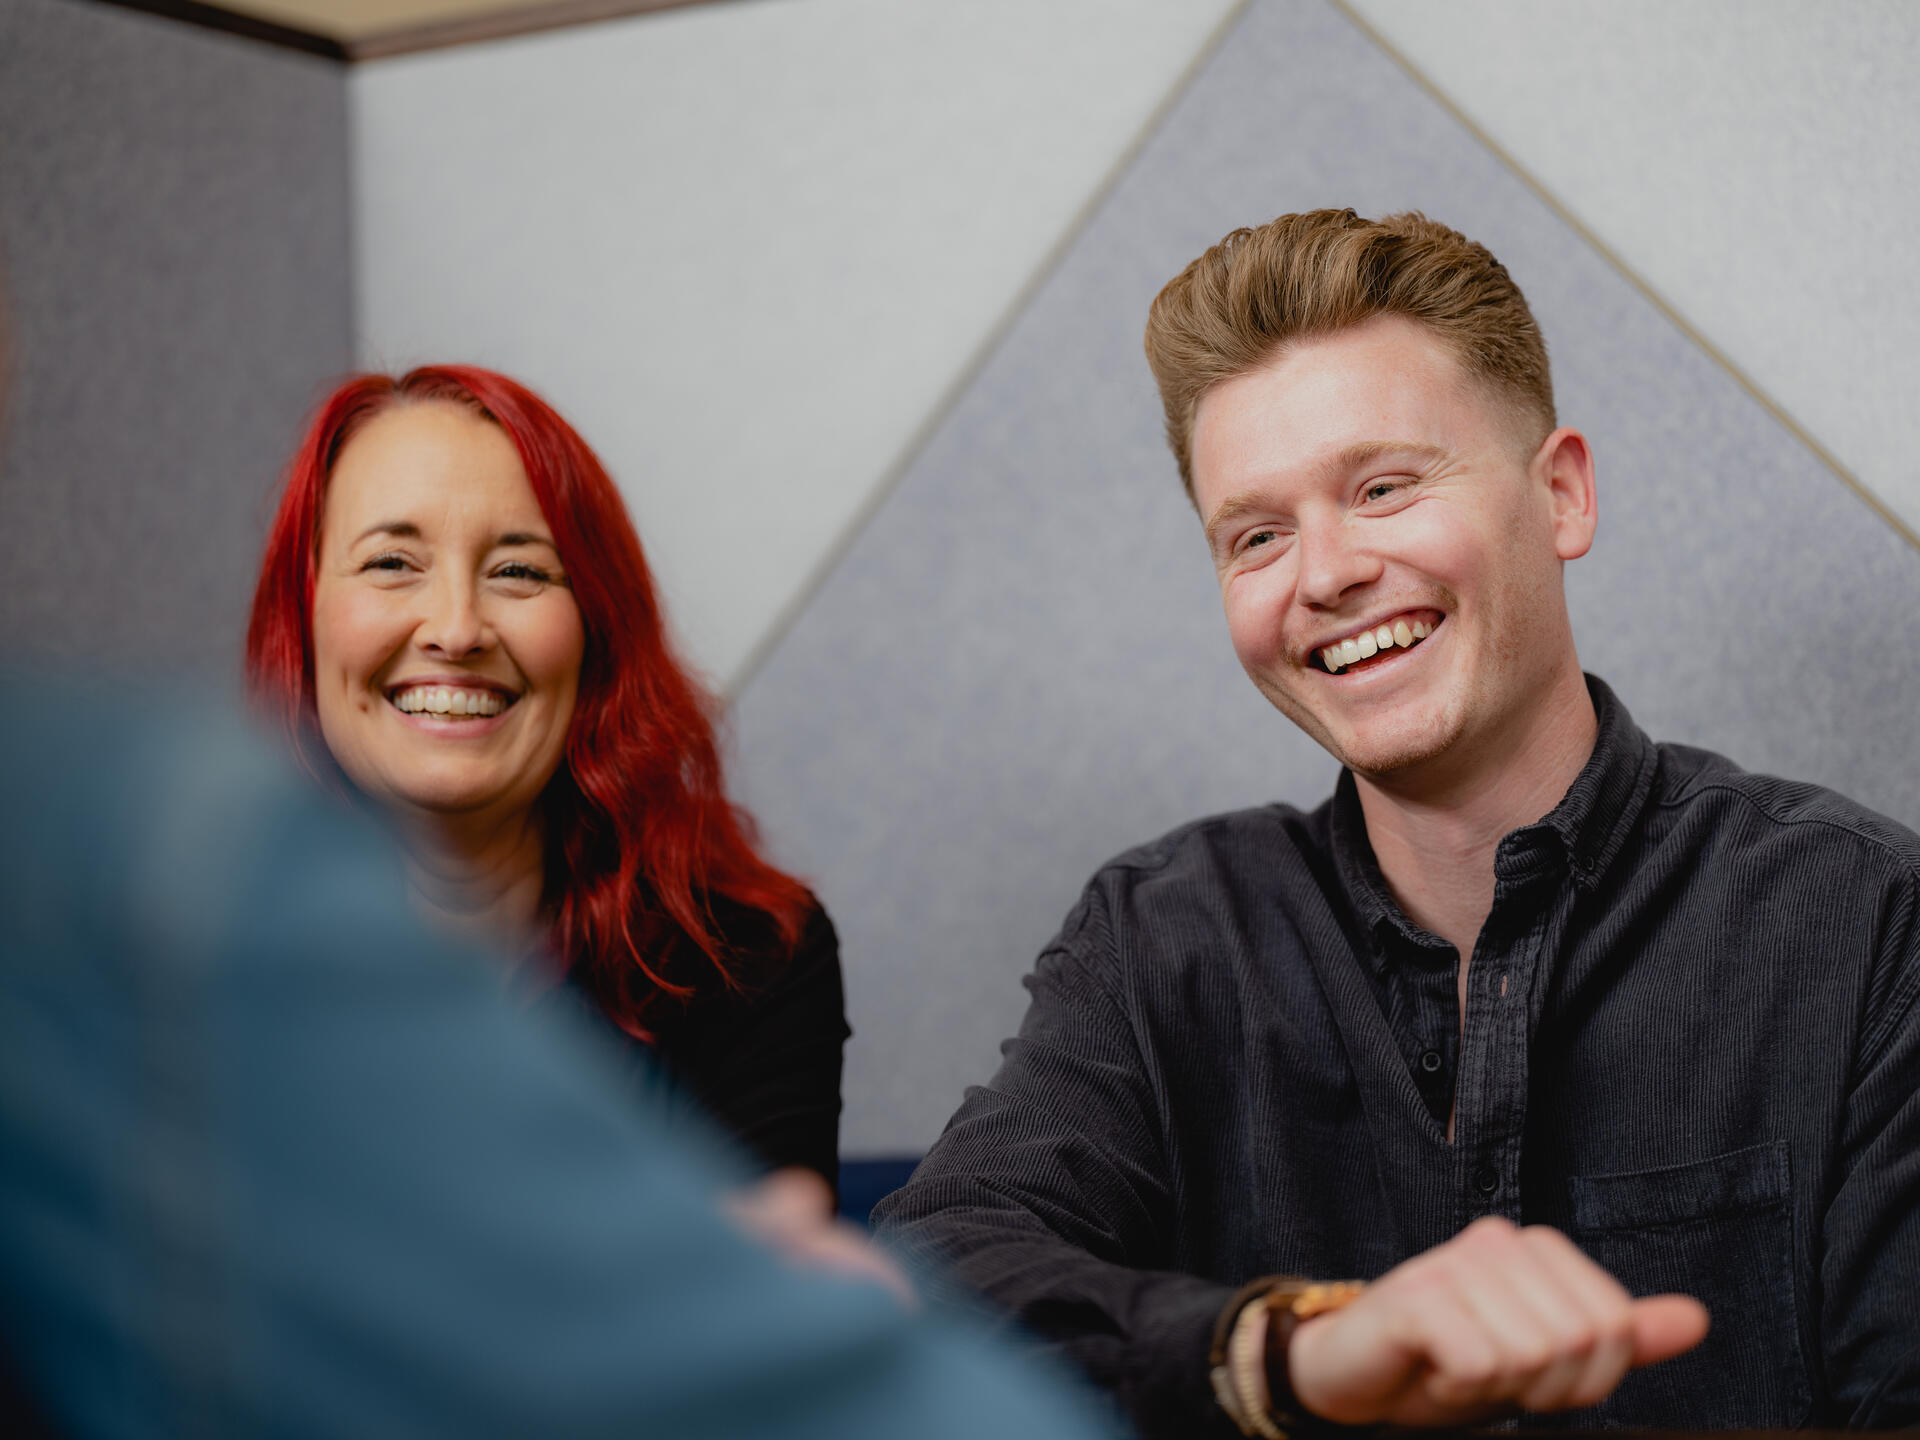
[(1665, 1326)]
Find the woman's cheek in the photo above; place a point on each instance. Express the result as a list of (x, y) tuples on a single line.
[(556, 642)]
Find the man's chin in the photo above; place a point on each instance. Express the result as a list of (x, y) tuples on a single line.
[(1382, 751), (1401, 758)]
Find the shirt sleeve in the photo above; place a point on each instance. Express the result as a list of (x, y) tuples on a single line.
[(766, 1064), (276, 1160), (1048, 1195), (1871, 1233)]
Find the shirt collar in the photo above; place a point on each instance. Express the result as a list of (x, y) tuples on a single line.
[(1597, 814), (1586, 830)]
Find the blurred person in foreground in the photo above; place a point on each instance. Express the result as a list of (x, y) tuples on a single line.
[(1557, 1038), (455, 617), (277, 1158)]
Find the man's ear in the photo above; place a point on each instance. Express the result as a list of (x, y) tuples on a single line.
[(1563, 468)]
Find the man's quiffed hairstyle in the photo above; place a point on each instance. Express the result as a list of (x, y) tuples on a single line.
[(1300, 276)]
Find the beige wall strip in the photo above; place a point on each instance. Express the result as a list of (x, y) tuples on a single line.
[(502, 24), (248, 27)]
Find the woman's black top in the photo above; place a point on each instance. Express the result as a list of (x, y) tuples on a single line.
[(762, 1060)]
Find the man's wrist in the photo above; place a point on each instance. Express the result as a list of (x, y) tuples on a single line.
[(1252, 1379)]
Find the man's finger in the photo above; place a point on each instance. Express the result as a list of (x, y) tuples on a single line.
[(1607, 1313), (1464, 1359), (1665, 1326)]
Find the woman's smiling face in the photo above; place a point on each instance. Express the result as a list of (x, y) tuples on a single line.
[(446, 640)]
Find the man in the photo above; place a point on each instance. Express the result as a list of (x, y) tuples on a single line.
[(276, 1159), (1531, 1018)]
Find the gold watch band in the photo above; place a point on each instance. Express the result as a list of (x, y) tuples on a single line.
[(1249, 1352)]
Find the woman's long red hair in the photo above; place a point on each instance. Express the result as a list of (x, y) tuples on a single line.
[(640, 835)]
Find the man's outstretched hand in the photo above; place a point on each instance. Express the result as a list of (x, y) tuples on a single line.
[(1498, 1318)]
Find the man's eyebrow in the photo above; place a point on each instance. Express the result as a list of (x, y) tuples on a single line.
[(1367, 451), (1233, 508)]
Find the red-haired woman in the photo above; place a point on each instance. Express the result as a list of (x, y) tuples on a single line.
[(454, 602)]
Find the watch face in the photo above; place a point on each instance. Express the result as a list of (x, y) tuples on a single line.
[(1319, 1299)]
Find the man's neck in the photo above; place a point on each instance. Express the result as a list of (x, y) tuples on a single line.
[(1435, 836)]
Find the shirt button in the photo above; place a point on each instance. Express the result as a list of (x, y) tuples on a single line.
[(1431, 1061), (1486, 1179)]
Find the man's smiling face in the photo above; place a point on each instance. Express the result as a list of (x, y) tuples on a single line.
[(1361, 489)]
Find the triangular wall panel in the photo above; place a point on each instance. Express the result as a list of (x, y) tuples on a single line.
[(1020, 667)]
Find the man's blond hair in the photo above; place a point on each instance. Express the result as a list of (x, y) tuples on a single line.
[(1302, 276)]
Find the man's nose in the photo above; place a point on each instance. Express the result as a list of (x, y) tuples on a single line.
[(1332, 561), (453, 625)]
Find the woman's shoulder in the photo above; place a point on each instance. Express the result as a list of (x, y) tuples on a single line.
[(765, 964), (779, 1020), (755, 936), (764, 968)]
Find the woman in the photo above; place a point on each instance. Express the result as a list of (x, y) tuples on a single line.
[(454, 602)]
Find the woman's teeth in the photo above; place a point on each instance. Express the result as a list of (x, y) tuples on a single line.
[(444, 700), (1369, 643)]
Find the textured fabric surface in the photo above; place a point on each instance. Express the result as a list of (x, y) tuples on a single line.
[(1020, 667), (277, 1160), (174, 281), (1689, 1042)]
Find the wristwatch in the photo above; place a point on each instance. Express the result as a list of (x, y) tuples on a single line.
[(1240, 1355)]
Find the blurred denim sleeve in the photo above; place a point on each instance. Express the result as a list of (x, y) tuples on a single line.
[(275, 1159)]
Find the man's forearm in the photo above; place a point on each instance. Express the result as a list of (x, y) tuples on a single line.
[(1143, 1335)]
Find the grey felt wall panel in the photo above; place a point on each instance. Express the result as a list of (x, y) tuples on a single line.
[(174, 250), (1020, 667)]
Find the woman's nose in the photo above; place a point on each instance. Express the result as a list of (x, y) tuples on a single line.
[(453, 625)]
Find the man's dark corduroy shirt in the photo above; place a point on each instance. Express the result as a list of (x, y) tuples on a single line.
[(1690, 1042)]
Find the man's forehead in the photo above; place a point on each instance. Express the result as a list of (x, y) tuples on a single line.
[(1333, 402)]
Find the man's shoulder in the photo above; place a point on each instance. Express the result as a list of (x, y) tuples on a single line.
[(1211, 859), (1768, 809)]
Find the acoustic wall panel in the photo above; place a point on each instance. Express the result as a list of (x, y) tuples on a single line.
[(174, 265), (1020, 666), (747, 248), (1755, 161)]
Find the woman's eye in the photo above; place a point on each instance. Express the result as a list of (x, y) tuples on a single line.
[(385, 562), (521, 570)]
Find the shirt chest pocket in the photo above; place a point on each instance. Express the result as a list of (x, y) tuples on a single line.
[(1721, 1230)]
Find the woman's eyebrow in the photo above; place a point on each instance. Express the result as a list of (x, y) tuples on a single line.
[(399, 529), (525, 537)]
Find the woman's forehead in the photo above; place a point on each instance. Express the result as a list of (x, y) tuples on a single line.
[(434, 467)]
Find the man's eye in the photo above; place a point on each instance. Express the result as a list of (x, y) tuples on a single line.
[(1380, 489), (1259, 537)]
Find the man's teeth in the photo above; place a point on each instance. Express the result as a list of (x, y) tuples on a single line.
[(1369, 643), (443, 700)]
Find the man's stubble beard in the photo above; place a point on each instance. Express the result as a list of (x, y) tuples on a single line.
[(1428, 737)]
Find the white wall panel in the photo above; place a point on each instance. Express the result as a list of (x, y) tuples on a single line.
[(1757, 162), (747, 248)]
